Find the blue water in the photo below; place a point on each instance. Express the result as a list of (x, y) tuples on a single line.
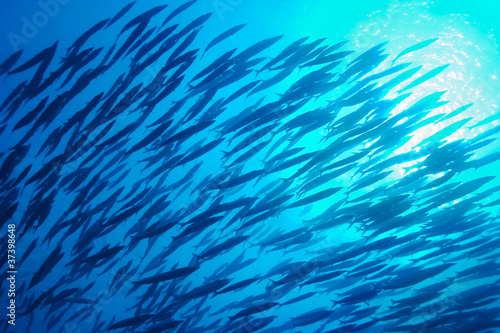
[(446, 225)]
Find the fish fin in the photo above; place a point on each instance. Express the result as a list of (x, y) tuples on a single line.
[(271, 286), (134, 238)]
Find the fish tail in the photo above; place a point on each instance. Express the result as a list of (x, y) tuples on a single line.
[(257, 72), (225, 154), (271, 285)]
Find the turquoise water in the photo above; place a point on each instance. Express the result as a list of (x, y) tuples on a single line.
[(407, 230)]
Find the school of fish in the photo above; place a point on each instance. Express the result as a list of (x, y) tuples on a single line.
[(159, 198)]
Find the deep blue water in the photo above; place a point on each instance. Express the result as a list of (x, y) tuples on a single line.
[(402, 236)]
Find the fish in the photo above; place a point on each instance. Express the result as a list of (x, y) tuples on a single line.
[(298, 299), (216, 250), (142, 18), (254, 309), (310, 317), (133, 37), (457, 112), (196, 23), (226, 34), (73, 49), (103, 254), (203, 290), (487, 120), (315, 197), (237, 285), (199, 152), (157, 132), (425, 77), (162, 326), (6, 65), (177, 273), (138, 320), (256, 48), (46, 267), (120, 14), (178, 10), (289, 50), (414, 48)]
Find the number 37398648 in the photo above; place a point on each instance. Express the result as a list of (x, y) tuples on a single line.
[(11, 244)]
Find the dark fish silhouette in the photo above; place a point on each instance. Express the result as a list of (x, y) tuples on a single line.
[(46, 267), (120, 14), (137, 320), (10, 61), (142, 18), (414, 48), (177, 273), (254, 309), (73, 49)]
